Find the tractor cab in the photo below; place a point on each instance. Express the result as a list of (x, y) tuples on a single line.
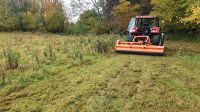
[(145, 26)]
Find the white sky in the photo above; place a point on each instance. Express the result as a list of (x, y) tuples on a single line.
[(71, 16), (67, 1)]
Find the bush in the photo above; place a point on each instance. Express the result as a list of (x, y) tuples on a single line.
[(11, 24), (31, 23), (76, 29), (101, 46), (89, 22), (55, 21), (184, 37)]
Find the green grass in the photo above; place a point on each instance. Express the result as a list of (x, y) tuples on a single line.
[(82, 73), (184, 37)]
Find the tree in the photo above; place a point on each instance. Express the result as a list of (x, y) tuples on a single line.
[(91, 20), (55, 21), (171, 12), (104, 8), (194, 17), (79, 6), (31, 15), (193, 12), (3, 14), (145, 7), (123, 14), (12, 14), (45, 9)]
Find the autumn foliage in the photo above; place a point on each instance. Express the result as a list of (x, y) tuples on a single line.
[(123, 14), (32, 15), (106, 16)]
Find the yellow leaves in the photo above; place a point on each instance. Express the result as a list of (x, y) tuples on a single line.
[(29, 13), (53, 5), (165, 9), (194, 17), (125, 7), (123, 13)]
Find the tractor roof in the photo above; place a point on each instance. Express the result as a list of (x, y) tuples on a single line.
[(146, 17)]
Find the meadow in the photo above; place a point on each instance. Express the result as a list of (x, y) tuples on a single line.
[(52, 72)]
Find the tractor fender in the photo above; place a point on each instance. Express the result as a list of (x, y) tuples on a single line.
[(155, 30)]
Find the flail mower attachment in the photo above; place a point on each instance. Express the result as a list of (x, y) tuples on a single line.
[(140, 45)]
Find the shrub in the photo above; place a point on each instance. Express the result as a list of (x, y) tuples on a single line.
[(101, 46), (76, 53), (11, 24), (31, 23), (55, 21), (76, 29)]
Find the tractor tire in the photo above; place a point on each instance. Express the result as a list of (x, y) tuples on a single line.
[(130, 37), (156, 39), (161, 42)]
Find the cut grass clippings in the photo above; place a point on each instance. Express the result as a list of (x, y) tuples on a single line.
[(83, 73)]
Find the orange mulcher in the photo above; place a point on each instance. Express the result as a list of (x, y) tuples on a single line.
[(144, 37)]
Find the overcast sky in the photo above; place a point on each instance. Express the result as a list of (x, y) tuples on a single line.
[(71, 16), (67, 1)]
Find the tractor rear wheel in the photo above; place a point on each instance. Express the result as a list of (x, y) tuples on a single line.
[(161, 42), (130, 37), (155, 39)]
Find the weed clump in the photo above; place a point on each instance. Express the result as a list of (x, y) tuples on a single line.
[(78, 55), (186, 55), (35, 57), (101, 46), (49, 53), (12, 58), (3, 77)]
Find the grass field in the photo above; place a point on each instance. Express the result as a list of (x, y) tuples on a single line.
[(53, 73)]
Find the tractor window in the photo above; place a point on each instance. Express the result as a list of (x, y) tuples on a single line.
[(132, 23), (150, 22)]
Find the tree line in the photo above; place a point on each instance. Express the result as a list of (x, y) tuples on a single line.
[(104, 17)]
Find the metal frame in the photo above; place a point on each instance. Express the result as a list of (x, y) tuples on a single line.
[(139, 47)]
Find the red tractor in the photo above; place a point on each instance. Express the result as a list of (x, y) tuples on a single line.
[(144, 36)]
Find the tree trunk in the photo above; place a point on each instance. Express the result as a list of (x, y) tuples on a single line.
[(21, 24), (43, 21)]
